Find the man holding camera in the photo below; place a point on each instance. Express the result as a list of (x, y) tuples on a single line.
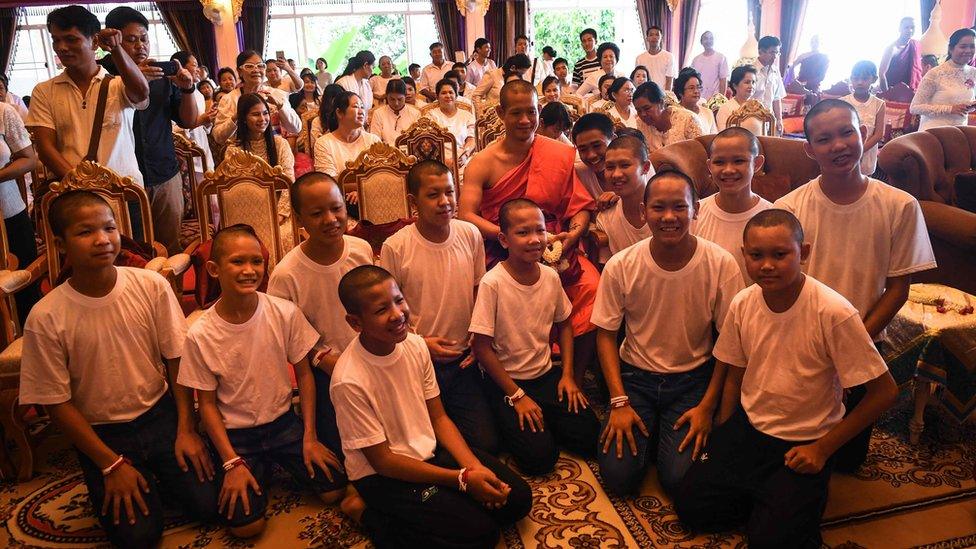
[(171, 92)]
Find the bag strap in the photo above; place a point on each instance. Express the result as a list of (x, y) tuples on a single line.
[(96, 133)]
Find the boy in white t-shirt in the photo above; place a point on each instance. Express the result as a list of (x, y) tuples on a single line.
[(791, 345), (308, 276), (591, 135), (236, 357), (868, 237), (106, 387), (626, 166), (438, 262), (519, 301), (419, 483), (733, 159), (670, 292)]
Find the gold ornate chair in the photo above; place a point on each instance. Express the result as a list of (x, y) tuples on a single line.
[(427, 140), (187, 151), (753, 116), (118, 191), (379, 175), (307, 145), (574, 105), (488, 126), (247, 190)]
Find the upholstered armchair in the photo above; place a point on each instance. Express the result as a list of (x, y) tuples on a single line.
[(938, 166), (787, 165)]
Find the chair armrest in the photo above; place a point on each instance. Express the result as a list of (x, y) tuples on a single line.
[(949, 223), (160, 250), (179, 263), (14, 281)]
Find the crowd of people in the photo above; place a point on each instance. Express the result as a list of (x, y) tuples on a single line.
[(415, 367)]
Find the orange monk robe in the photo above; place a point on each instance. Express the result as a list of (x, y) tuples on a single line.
[(547, 177)]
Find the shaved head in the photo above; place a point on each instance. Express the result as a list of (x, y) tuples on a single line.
[(515, 87)]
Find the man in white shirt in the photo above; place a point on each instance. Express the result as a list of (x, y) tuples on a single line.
[(713, 66), (659, 62), (480, 63), (590, 62), (770, 89), (434, 72), (61, 114)]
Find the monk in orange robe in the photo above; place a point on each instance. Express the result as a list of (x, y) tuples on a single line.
[(522, 164)]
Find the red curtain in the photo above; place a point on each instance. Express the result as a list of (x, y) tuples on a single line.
[(8, 35), (791, 20), (689, 30), (450, 27), (654, 12), (191, 30)]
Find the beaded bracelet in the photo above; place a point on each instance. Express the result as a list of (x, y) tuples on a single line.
[(114, 466), (463, 479)]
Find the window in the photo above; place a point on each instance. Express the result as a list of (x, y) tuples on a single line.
[(34, 59), (866, 28), (557, 23), (728, 23), (336, 29)]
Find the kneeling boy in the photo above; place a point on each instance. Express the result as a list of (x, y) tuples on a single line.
[(98, 351), (420, 483), (792, 344), (670, 291), (237, 357)]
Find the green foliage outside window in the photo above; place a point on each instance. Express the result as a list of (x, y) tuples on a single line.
[(380, 34), (560, 29)]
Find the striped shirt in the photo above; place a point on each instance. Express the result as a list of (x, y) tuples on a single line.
[(583, 68)]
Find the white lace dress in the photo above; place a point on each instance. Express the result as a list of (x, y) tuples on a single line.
[(942, 87)]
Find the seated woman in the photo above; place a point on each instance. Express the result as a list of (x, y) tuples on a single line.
[(608, 53), (605, 82), (550, 91), (621, 93), (320, 124), (742, 82), (457, 121), (347, 137), (687, 88), (252, 70), (255, 136), (307, 98), (393, 118), (639, 75), (555, 122), (414, 99)]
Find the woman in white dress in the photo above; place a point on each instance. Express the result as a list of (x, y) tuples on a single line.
[(945, 96), (347, 138), (621, 109), (252, 70), (457, 121), (688, 88), (742, 82), (392, 119)]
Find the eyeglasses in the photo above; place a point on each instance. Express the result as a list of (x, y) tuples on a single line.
[(252, 66)]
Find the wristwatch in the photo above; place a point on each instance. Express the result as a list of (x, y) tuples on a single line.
[(514, 397)]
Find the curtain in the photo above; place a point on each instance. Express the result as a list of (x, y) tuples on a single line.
[(191, 30), (755, 9), (505, 20), (791, 21), (655, 12), (450, 27), (926, 12), (8, 35), (688, 30), (252, 28)]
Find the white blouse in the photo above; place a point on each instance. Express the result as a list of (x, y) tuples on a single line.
[(461, 124), (332, 153), (942, 87), (388, 125), (630, 121)]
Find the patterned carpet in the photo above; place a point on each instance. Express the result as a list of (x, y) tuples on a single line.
[(904, 496)]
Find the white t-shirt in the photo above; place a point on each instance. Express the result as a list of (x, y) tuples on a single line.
[(384, 398), (867, 112), (713, 68), (378, 83), (725, 229), (248, 364), (57, 104), (620, 233), (15, 138), (315, 289), (432, 74), (461, 125), (103, 353), (799, 361), (591, 86), (855, 247), (476, 71), (388, 125), (438, 279), (588, 178), (362, 88), (332, 153), (668, 314), (519, 318), (660, 66)]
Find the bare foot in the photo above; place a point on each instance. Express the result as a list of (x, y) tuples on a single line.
[(353, 505)]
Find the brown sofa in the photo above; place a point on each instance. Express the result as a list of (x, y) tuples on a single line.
[(787, 165), (926, 164)]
